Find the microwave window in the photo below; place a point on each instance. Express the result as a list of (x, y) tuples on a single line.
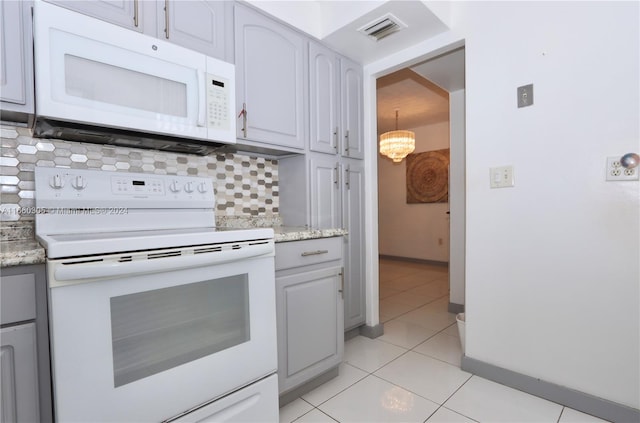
[(154, 331), (97, 81)]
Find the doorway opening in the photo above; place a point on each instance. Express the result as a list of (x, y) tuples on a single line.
[(421, 240)]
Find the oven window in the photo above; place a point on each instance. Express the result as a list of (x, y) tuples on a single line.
[(157, 330)]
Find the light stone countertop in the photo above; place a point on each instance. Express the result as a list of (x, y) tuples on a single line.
[(21, 252), (28, 251), (288, 233)]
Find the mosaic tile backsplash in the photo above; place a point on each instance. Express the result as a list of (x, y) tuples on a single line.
[(246, 187)]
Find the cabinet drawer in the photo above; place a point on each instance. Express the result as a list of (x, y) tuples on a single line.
[(310, 251), (18, 298)]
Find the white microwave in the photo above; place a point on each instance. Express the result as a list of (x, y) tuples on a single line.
[(98, 82)]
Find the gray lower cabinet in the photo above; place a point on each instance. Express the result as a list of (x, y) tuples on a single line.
[(18, 372), (16, 61), (25, 394), (310, 310)]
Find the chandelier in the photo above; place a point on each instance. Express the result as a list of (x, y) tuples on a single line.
[(397, 144)]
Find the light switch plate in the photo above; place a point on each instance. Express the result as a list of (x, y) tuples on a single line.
[(525, 95), (501, 177)]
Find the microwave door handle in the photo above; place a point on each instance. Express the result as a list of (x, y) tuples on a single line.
[(202, 97)]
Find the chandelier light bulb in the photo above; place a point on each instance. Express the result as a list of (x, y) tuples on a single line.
[(397, 144)]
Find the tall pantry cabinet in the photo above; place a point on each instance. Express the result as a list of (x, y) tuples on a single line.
[(336, 170)]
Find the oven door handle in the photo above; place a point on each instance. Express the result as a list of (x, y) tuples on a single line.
[(77, 272)]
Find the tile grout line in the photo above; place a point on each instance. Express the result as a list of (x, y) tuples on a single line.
[(452, 394), (414, 309)]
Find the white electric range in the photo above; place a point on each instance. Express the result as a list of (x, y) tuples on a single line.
[(155, 314)]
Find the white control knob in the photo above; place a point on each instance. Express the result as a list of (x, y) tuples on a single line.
[(202, 187), (188, 187), (79, 182), (175, 187), (56, 182)]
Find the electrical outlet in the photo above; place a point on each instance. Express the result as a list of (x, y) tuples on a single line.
[(501, 177), (616, 172)]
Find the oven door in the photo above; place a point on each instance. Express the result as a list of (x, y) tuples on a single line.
[(149, 346)]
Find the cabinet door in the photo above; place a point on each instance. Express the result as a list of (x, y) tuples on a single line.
[(353, 209), (352, 144), (325, 192), (126, 13), (323, 99), (270, 80), (16, 57), (19, 379), (310, 325), (196, 24)]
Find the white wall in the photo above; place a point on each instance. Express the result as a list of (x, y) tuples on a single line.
[(553, 264), (412, 230)]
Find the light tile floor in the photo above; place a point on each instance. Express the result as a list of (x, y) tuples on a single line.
[(412, 372)]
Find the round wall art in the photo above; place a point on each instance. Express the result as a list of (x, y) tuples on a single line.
[(428, 177)]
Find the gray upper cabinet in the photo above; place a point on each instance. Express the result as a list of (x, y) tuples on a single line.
[(198, 25), (195, 24), (323, 99), (352, 143), (16, 60), (270, 81), (125, 13), (335, 98)]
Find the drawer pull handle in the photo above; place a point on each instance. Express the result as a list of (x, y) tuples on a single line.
[(314, 253)]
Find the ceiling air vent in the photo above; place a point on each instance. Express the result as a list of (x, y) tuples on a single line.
[(382, 27)]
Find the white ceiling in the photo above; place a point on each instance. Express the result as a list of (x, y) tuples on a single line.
[(421, 23), (418, 101), (336, 23), (446, 71), (419, 93)]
